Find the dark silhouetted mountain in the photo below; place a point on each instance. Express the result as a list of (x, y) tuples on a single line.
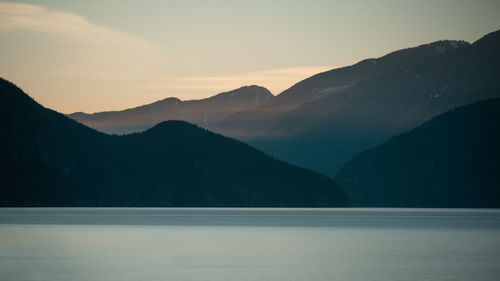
[(449, 161), (205, 112), (431, 79), (48, 159)]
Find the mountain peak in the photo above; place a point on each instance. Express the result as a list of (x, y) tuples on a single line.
[(170, 99), (168, 127), (250, 92)]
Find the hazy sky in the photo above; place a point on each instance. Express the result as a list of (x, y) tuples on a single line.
[(102, 55)]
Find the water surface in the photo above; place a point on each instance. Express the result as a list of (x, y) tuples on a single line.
[(248, 244)]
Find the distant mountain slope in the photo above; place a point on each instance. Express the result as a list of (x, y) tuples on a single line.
[(204, 112), (267, 120), (47, 159), (450, 161), (324, 134)]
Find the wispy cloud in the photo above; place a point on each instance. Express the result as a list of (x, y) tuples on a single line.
[(83, 49), (16, 16), (276, 80), (67, 62)]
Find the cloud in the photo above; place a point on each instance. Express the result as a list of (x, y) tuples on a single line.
[(75, 47), (25, 17), (276, 80), (68, 63)]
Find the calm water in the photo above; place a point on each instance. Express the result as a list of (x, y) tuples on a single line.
[(249, 244)]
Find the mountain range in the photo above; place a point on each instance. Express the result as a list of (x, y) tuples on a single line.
[(48, 159), (427, 119), (323, 121), (429, 80), (204, 112)]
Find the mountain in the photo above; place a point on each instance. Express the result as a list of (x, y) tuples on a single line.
[(449, 161), (204, 112), (266, 121), (48, 159), (322, 121), (428, 80)]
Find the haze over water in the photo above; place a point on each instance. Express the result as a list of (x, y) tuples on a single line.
[(249, 244)]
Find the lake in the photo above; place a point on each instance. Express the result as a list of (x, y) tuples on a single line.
[(248, 244)]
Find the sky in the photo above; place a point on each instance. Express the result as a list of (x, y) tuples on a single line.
[(98, 55)]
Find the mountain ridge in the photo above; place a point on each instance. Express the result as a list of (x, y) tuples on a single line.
[(328, 83), (203, 112), (48, 159), (336, 127), (449, 161)]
